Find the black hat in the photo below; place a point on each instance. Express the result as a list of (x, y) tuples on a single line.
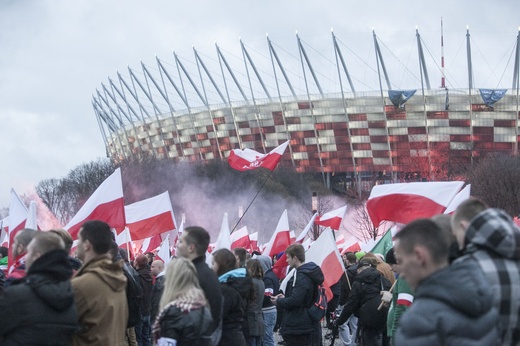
[(390, 257)]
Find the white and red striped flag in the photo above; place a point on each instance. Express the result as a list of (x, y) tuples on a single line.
[(105, 204), (247, 159), (224, 237), (325, 254), (4, 231), (253, 237), (164, 252), (150, 217), (405, 202), (18, 214), (463, 195), (332, 219), (240, 238), (280, 239), (306, 230)]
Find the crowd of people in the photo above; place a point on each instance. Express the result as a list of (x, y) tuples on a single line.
[(448, 280)]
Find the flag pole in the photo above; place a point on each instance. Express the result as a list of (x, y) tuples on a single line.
[(245, 211)]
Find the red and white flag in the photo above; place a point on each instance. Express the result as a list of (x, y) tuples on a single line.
[(247, 159), (32, 222), (240, 238), (355, 247), (150, 217), (105, 204), (306, 230), (405, 299), (253, 237), (224, 237), (123, 238), (151, 244), (332, 219), (325, 254), (18, 214), (463, 195), (164, 251), (405, 202), (280, 239), (4, 232)]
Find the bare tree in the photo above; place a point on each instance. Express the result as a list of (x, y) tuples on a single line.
[(496, 180)]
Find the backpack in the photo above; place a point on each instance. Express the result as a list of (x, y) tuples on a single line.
[(134, 296), (318, 308)]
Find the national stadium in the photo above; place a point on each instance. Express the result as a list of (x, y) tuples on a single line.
[(199, 109)]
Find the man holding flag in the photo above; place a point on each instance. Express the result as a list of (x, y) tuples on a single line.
[(297, 326)]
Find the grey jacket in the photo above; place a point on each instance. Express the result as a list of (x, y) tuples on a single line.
[(453, 306)]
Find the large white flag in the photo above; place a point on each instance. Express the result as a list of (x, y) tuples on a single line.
[(150, 217), (105, 204)]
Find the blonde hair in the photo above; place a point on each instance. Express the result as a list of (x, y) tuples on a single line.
[(180, 279)]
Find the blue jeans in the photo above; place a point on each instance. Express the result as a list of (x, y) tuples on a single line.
[(143, 331), (269, 322)]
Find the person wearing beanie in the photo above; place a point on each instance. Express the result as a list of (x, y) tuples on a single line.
[(399, 300), (360, 255)]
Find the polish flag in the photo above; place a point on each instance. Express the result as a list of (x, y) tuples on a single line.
[(4, 231), (292, 237), (332, 219), (253, 237), (463, 195), (105, 204), (325, 254), (150, 217), (306, 230), (164, 251), (31, 217), (352, 248), (405, 202), (18, 214), (340, 242), (224, 237), (123, 238), (151, 244), (247, 159), (280, 239), (240, 238), (280, 267)]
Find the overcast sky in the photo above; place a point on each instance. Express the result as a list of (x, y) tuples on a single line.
[(54, 54)]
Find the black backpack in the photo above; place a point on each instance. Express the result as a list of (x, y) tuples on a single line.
[(318, 308), (134, 296)]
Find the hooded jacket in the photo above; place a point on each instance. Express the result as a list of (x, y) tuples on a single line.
[(453, 306), (493, 240), (39, 308), (236, 291), (271, 282), (146, 280), (367, 285), (100, 292), (300, 291)]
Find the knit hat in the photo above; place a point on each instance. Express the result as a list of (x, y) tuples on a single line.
[(360, 255)]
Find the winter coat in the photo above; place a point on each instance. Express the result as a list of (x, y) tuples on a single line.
[(493, 240), (39, 308), (157, 290), (236, 290), (300, 291), (271, 282), (208, 281), (254, 321), (345, 286), (100, 294), (146, 280), (366, 288), (188, 328), (453, 306)]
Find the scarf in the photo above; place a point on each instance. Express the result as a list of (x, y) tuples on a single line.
[(191, 300)]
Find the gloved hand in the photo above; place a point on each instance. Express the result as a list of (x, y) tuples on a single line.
[(386, 297)]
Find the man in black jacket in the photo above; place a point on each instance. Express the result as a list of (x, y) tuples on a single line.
[(39, 308), (193, 244), (144, 328), (297, 326), (158, 287)]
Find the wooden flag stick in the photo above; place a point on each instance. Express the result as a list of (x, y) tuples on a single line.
[(390, 290)]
